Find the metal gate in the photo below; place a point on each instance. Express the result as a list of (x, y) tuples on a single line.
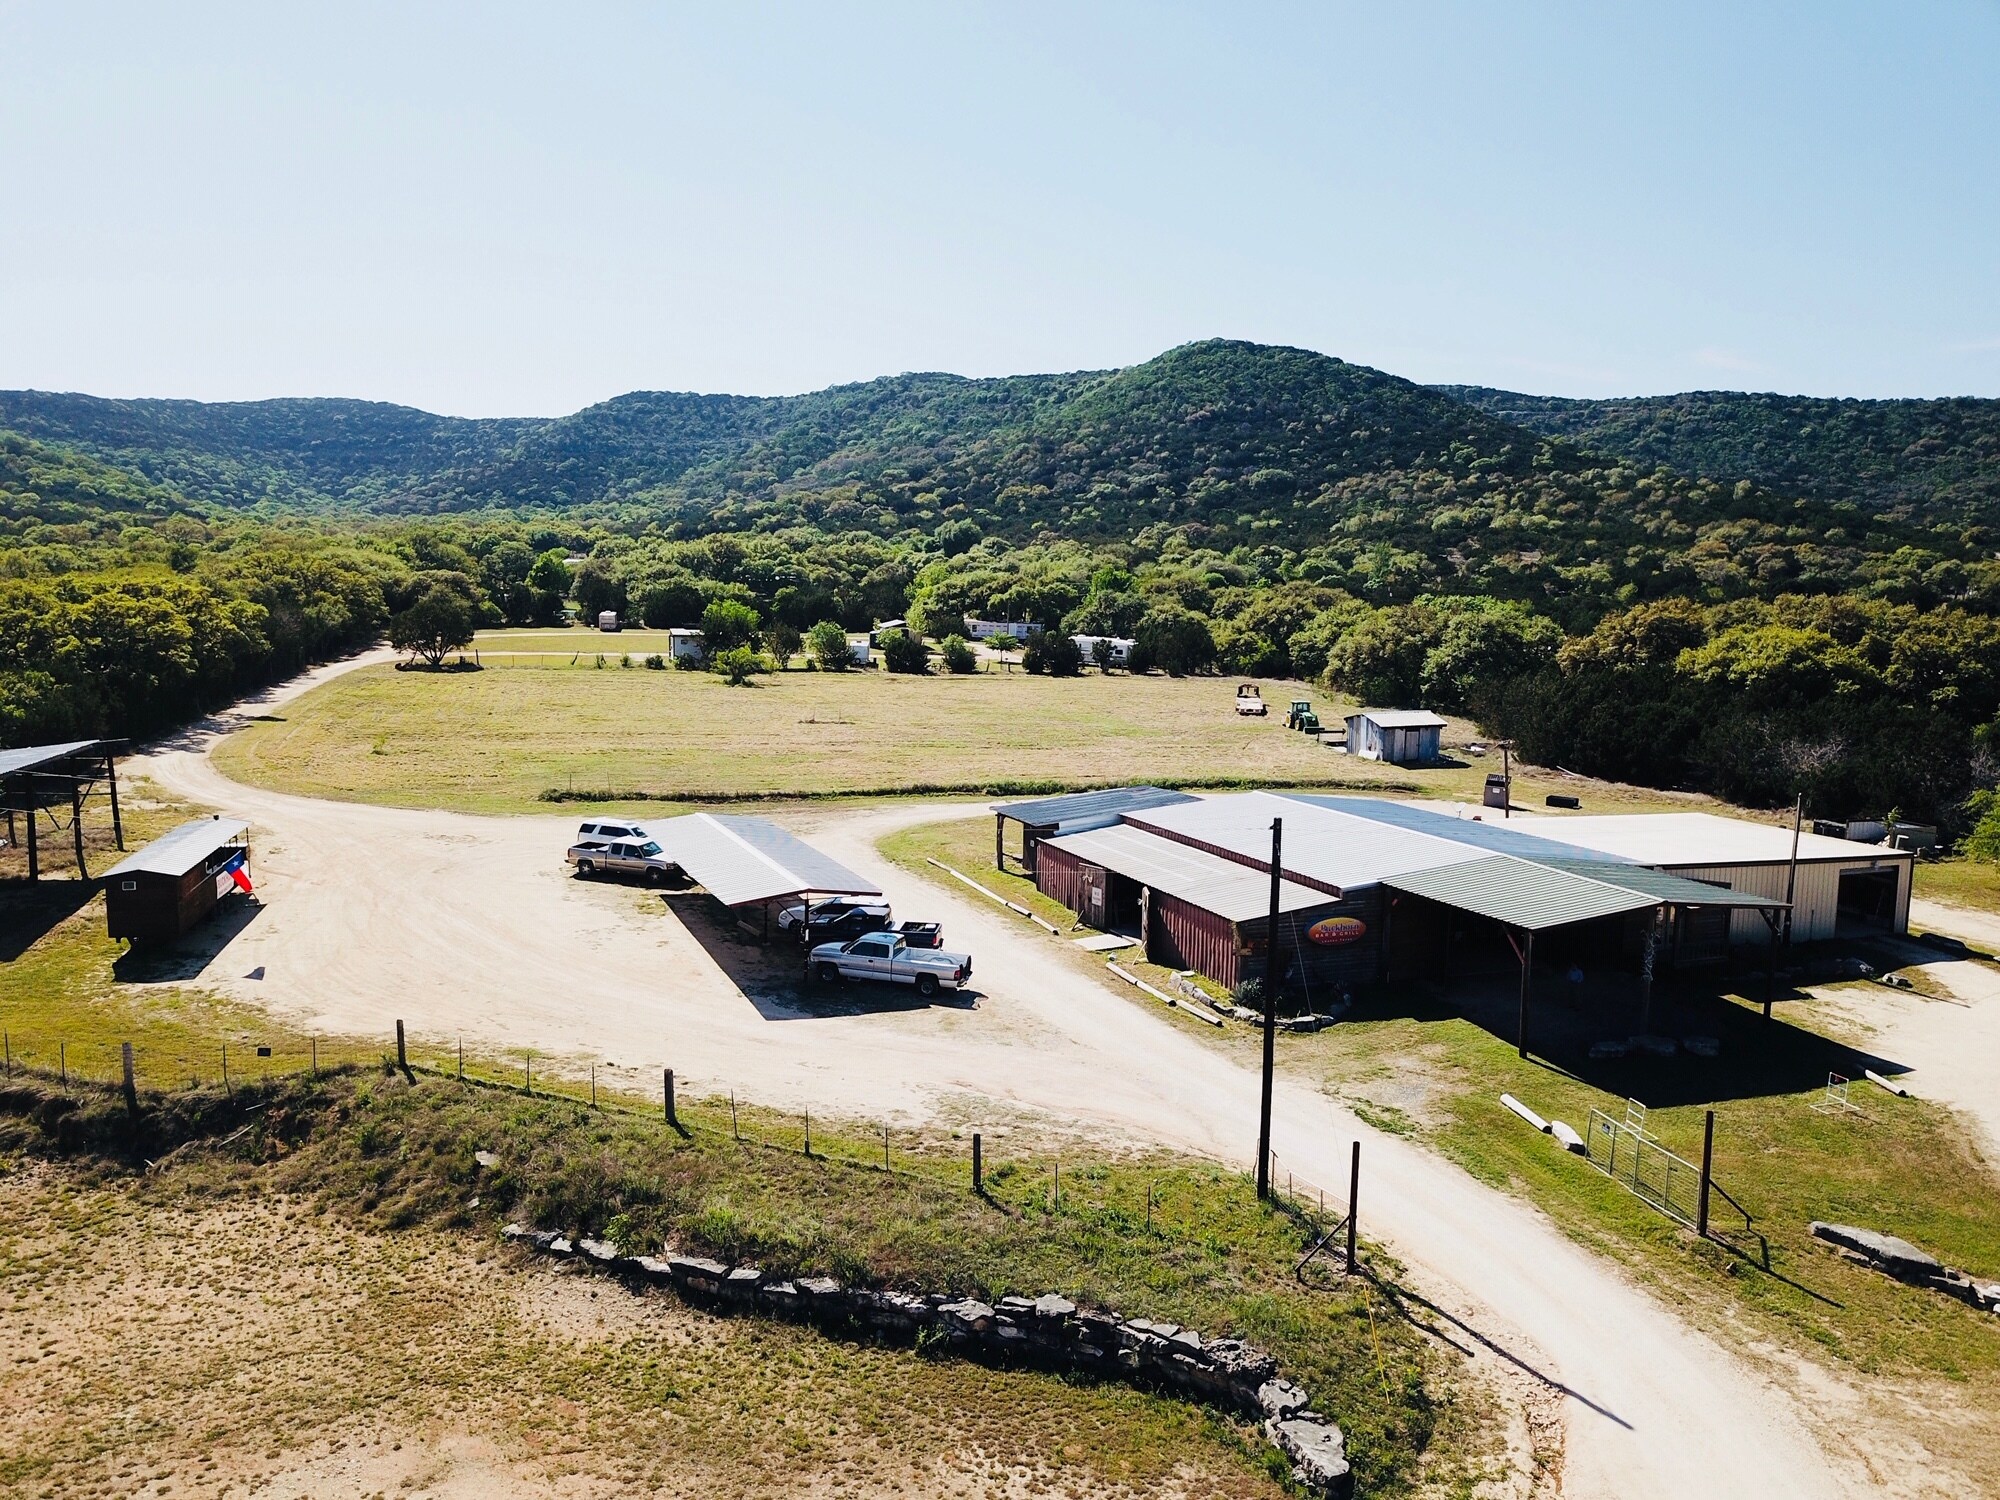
[(1624, 1151)]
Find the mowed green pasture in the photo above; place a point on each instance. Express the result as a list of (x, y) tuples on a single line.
[(499, 739)]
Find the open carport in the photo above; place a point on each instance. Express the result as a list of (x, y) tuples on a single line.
[(1613, 908), (751, 862)]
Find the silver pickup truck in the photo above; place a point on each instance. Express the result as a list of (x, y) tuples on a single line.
[(887, 956), (641, 857)]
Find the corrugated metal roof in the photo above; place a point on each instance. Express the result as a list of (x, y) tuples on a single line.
[(1321, 843), (180, 849), (741, 860), (1399, 718), (1697, 838), (13, 762), (1520, 892), (1494, 838), (1234, 892), (1077, 807), (1662, 886)]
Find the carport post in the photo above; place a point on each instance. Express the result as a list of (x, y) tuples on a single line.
[(1527, 970), (1000, 841), (111, 777), (34, 849), (76, 826)]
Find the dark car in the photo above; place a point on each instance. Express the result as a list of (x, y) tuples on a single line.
[(835, 920)]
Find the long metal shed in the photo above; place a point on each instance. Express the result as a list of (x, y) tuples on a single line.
[(745, 861), (1072, 812), (162, 890)]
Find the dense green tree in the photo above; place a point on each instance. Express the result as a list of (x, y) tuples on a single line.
[(826, 642), (959, 657), (725, 624), (906, 653)]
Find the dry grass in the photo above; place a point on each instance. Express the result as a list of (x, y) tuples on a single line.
[(1969, 883), (494, 741), (164, 1340)]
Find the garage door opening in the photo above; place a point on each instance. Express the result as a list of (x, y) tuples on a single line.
[(1868, 901)]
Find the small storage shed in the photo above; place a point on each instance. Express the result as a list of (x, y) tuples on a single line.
[(164, 889), (1400, 736), (685, 644)]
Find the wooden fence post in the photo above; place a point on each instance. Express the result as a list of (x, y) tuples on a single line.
[(669, 1098), (978, 1171), (403, 1055), (1707, 1166), (1353, 1203), (131, 1083)]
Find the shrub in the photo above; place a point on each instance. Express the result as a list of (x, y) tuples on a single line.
[(783, 640), (827, 643), (656, 663), (903, 652), (738, 664), (1052, 654), (959, 658)]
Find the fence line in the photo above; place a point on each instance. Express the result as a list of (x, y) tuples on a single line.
[(1040, 1182)]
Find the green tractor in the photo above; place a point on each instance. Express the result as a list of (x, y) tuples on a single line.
[(1302, 717)]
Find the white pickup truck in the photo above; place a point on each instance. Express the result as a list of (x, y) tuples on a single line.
[(888, 957)]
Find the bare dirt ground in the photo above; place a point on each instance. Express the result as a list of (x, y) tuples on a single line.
[(471, 925), (162, 1342)]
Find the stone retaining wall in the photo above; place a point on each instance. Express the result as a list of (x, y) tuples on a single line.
[(1049, 1332)]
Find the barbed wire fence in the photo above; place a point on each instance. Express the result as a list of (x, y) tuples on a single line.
[(1045, 1181)]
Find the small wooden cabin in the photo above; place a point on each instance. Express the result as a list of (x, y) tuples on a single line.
[(164, 889)]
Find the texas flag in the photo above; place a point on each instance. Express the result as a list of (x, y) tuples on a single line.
[(238, 871)]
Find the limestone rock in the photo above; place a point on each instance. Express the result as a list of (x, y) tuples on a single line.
[(1886, 1252), (1318, 1452), (1280, 1399), (1053, 1306)]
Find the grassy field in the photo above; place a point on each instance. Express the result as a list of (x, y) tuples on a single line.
[(386, 1155), (498, 740), (1958, 882), (1415, 1063)]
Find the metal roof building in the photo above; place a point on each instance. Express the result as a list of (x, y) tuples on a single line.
[(1225, 887), (1399, 736), (38, 781), (162, 890), (742, 861), (1496, 838), (1072, 812)]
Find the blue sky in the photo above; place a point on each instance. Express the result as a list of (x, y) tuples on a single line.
[(501, 210)]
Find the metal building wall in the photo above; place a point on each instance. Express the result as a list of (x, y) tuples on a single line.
[(1184, 936), (1816, 898), (1059, 876)]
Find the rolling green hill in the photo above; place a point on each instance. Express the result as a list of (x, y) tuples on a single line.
[(1915, 460)]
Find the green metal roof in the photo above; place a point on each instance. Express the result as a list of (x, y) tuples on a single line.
[(1539, 893), (1675, 890), (1520, 893)]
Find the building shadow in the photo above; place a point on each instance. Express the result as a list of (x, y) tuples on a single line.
[(190, 955), (28, 913), (771, 975), (1755, 1058)]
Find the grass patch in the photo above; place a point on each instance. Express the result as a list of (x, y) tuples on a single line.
[(1969, 883), (498, 740), (398, 1156)]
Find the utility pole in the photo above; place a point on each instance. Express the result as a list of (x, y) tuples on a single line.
[(1270, 1009)]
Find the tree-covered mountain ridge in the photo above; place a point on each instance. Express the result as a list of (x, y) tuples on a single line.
[(1927, 460), (1363, 480)]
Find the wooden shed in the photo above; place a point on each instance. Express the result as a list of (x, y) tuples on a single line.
[(162, 891)]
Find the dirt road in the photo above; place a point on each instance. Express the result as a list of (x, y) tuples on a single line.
[(466, 925)]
